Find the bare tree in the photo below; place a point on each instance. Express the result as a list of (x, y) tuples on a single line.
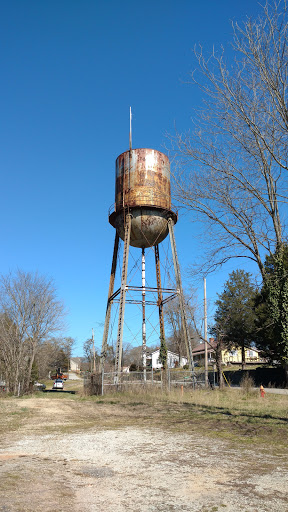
[(52, 354), (88, 353), (176, 341), (30, 313), (231, 170)]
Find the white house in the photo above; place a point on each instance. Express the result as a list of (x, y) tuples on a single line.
[(153, 360), (75, 364)]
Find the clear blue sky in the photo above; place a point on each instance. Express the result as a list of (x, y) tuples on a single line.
[(69, 72)]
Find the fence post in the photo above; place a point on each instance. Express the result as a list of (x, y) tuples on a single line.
[(169, 380), (152, 376), (102, 382)]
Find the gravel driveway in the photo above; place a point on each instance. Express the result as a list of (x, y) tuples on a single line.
[(65, 455), (138, 469)]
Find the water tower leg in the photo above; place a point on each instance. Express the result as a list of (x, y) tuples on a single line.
[(163, 346), (118, 359), (181, 295), (144, 360), (109, 304)]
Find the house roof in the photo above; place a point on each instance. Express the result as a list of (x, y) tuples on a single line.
[(201, 347), (77, 360)]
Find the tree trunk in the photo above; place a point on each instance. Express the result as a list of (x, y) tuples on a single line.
[(243, 359), (286, 373), (218, 356), (29, 369)]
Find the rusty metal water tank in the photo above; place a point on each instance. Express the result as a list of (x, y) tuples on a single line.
[(143, 189)]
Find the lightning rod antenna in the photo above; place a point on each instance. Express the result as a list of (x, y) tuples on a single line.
[(130, 133)]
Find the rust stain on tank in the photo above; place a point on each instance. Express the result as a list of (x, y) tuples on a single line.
[(148, 226), (143, 189), (143, 179)]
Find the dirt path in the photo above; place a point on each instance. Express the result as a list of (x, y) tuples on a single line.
[(131, 469)]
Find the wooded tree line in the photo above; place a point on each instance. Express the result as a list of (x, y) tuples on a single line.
[(31, 322)]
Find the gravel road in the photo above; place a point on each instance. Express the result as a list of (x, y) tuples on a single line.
[(138, 470)]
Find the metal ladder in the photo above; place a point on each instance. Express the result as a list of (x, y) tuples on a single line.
[(118, 359), (160, 301)]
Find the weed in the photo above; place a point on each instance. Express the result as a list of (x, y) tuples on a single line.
[(247, 384)]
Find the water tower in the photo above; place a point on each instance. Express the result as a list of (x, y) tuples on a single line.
[(142, 218)]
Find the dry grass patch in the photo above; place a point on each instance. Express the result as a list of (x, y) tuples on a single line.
[(192, 450), (230, 414)]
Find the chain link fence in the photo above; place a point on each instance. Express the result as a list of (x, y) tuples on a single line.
[(172, 378)]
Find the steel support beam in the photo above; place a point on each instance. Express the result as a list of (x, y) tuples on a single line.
[(118, 359), (143, 316), (109, 303), (181, 295), (160, 301)]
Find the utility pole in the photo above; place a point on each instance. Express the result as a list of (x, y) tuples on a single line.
[(94, 361), (205, 335)]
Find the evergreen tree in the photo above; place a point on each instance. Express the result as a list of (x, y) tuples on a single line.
[(163, 353), (272, 308), (235, 316)]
